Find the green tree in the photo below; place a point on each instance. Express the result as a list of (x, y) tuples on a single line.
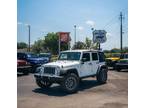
[(95, 46), (79, 45), (88, 43), (125, 50), (115, 50), (51, 42), (38, 46), (21, 45)]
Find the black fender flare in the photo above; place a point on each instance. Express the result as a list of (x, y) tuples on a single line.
[(102, 67), (68, 71)]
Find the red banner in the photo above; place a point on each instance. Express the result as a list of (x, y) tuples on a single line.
[(64, 36)]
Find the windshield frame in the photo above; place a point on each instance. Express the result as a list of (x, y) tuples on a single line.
[(32, 56), (78, 59)]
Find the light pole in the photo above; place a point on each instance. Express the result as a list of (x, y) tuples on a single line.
[(92, 32), (28, 38), (121, 32), (75, 34)]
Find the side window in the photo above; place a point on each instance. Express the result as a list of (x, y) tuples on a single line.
[(21, 56), (101, 57), (94, 56), (86, 56)]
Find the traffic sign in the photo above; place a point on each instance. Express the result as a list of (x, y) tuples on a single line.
[(99, 36)]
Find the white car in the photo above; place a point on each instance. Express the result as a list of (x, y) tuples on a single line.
[(71, 67)]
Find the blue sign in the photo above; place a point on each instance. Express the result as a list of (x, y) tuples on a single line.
[(99, 36)]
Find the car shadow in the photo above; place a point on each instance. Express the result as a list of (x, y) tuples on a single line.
[(124, 70), (58, 91), (20, 74)]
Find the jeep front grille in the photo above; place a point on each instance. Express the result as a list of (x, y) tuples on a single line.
[(49, 70)]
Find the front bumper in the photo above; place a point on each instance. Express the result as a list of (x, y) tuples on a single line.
[(111, 63), (24, 68), (50, 78), (121, 66)]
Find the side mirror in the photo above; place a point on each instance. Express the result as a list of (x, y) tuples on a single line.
[(84, 59)]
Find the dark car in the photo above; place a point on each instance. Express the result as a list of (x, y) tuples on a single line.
[(33, 59), (45, 56), (112, 60), (122, 63), (23, 67)]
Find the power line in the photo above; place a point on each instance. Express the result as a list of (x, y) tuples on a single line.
[(125, 10), (114, 24), (107, 24)]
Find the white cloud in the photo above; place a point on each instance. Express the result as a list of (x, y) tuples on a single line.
[(90, 22), (19, 23), (109, 34), (26, 24), (80, 28)]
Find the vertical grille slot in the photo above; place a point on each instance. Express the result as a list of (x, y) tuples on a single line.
[(49, 70)]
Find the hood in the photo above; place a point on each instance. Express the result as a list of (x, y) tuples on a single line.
[(36, 59), (62, 63)]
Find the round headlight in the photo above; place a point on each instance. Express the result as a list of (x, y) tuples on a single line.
[(57, 71), (39, 69)]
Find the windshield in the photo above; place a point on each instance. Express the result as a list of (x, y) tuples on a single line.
[(32, 56), (115, 55), (69, 56), (124, 56)]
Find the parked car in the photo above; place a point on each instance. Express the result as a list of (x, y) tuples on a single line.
[(122, 63), (71, 67), (111, 61), (46, 56), (23, 67), (33, 59)]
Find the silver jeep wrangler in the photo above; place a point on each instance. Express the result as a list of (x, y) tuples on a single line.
[(71, 67)]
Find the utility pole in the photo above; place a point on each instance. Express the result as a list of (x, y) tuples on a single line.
[(59, 42), (29, 38), (121, 32), (75, 34)]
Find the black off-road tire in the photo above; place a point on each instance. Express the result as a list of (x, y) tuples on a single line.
[(118, 69), (25, 73), (70, 83), (43, 83), (102, 76)]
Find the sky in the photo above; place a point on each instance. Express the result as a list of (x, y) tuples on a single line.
[(46, 16)]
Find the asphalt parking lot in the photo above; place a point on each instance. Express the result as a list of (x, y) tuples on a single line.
[(113, 94)]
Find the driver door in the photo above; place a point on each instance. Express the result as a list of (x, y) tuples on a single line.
[(86, 66)]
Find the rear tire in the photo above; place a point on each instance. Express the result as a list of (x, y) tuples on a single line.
[(70, 83), (25, 73), (102, 76), (118, 69), (43, 83)]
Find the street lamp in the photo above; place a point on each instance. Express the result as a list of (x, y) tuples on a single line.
[(28, 36), (75, 34), (93, 38), (28, 33)]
